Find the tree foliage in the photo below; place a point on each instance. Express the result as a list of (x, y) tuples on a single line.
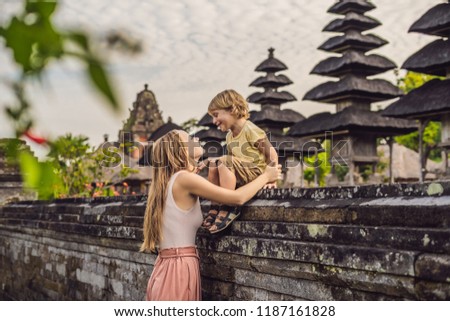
[(190, 125), (78, 166), (432, 132), (318, 165), (35, 44)]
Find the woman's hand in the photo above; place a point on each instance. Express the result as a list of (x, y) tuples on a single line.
[(201, 165), (205, 163)]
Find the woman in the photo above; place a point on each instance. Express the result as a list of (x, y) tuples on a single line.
[(173, 215)]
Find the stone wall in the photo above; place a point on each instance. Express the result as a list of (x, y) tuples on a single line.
[(361, 243), (11, 185)]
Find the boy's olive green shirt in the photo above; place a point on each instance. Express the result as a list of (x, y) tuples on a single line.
[(244, 145)]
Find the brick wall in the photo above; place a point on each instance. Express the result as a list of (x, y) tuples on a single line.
[(361, 243)]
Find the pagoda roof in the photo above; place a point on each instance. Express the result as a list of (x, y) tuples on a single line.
[(354, 62), (271, 97), (353, 119), (271, 81), (352, 21), (435, 21), (290, 144), (345, 6), (271, 64), (430, 99), (211, 134), (353, 39), (164, 129), (353, 87), (206, 121), (433, 59), (276, 117)]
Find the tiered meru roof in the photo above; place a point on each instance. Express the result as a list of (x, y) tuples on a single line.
[(432, 99)]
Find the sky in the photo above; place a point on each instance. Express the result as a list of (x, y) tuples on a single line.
[(191, 51)]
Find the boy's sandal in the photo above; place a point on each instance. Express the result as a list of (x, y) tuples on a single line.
[(222, 222), (211, 217)]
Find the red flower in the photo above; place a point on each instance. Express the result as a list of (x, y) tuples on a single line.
[(34, 138)]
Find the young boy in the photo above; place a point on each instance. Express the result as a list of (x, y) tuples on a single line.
[(248, 153)]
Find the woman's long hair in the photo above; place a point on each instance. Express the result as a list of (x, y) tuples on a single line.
[(169, 155)]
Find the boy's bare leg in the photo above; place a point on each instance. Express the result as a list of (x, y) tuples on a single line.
[(213, 177), (213, 174), (227, 179)]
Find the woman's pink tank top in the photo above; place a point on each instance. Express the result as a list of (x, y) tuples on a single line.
[(179, 226)]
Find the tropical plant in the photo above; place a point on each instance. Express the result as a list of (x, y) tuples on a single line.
[(36, 44)]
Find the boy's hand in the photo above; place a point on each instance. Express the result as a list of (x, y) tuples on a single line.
[(273, 172)]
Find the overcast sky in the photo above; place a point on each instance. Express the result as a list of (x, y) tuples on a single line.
[(194, 49)]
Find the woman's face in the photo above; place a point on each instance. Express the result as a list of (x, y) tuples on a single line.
[(195, 150)]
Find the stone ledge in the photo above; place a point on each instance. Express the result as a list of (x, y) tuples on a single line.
[(354, 257), (385, 284), (336, 193)]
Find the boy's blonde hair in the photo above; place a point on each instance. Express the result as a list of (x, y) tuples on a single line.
[(231, 100)]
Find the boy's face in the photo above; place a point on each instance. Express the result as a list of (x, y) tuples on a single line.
[(223, 119)]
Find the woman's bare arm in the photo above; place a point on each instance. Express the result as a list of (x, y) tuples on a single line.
[(199, 186)]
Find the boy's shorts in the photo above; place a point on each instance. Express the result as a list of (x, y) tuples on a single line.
[(245, 172)]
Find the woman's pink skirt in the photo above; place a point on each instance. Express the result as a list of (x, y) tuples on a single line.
[(175, 276)]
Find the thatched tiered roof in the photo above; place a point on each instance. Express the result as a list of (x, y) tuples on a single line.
[(353, 40), (352, 21), (354, 120), (288, 145), (271, 97), (354, 62), (354, 65), (271, 81), (164, 129), (430, 100), (271, 117), (350, 86), (206, 121), (274, 117), (435, 22), (346, 6), (271, 64), (433, 59)]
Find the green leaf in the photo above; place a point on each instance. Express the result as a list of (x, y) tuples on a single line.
[(40, 176), (50, 184), (30, 169), (35, 41), (44, 7), (18, 39), (99, 78), (80, 39)]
